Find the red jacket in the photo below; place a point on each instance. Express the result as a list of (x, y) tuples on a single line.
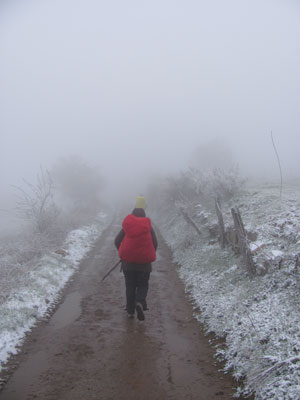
[(137, 245)]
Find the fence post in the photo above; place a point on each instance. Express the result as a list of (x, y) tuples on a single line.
[(222, 237), (242, 241), (190, 221)]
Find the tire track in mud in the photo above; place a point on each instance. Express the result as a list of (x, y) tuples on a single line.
[(89, 349)]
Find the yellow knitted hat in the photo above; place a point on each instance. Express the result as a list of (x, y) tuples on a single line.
[(140, 202)]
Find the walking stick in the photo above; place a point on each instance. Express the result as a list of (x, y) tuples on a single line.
[(111, 270)]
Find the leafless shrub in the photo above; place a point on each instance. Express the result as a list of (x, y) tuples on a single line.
[(35, 203), (194, 186)]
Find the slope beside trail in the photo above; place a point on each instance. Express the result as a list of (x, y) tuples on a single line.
[(89, 349)]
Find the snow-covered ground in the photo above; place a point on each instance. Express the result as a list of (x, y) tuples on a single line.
[(259, 317), (33, 299)]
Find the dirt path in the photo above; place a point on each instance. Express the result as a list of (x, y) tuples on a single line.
[(89, 349)]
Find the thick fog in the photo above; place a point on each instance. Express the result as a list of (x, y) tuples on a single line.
[(137, 88)]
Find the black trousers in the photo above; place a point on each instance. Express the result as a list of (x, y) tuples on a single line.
[(137, 284)]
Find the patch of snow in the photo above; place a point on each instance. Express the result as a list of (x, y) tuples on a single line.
[(254, 246), (277, 253), (259, 318), (25, 306)]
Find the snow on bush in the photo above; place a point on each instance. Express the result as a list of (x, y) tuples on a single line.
[(259, 317), (38, 288)]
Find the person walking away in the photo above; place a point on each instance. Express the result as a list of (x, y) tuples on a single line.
[(137, 244)]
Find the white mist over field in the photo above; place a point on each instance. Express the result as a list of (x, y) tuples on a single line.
[(135, 87)]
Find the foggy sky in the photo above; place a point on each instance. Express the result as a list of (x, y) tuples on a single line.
[(135, 86)]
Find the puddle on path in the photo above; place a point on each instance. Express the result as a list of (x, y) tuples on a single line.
[(68, 311)]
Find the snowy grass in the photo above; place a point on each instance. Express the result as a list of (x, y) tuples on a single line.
[(28, 303), (260, 317)]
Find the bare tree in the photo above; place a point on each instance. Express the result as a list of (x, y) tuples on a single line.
[(35, 203)]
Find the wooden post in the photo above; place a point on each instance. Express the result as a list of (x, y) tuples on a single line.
[(190, 221), (222, 237), (242, 241)]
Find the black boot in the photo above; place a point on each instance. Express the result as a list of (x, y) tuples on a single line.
[(140, 312)]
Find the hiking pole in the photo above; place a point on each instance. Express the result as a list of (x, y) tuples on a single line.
[(111, 270)]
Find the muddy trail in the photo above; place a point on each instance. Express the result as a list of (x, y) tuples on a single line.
[(90, 349)]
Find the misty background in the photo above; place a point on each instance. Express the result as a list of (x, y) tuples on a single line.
[(140, 89)]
